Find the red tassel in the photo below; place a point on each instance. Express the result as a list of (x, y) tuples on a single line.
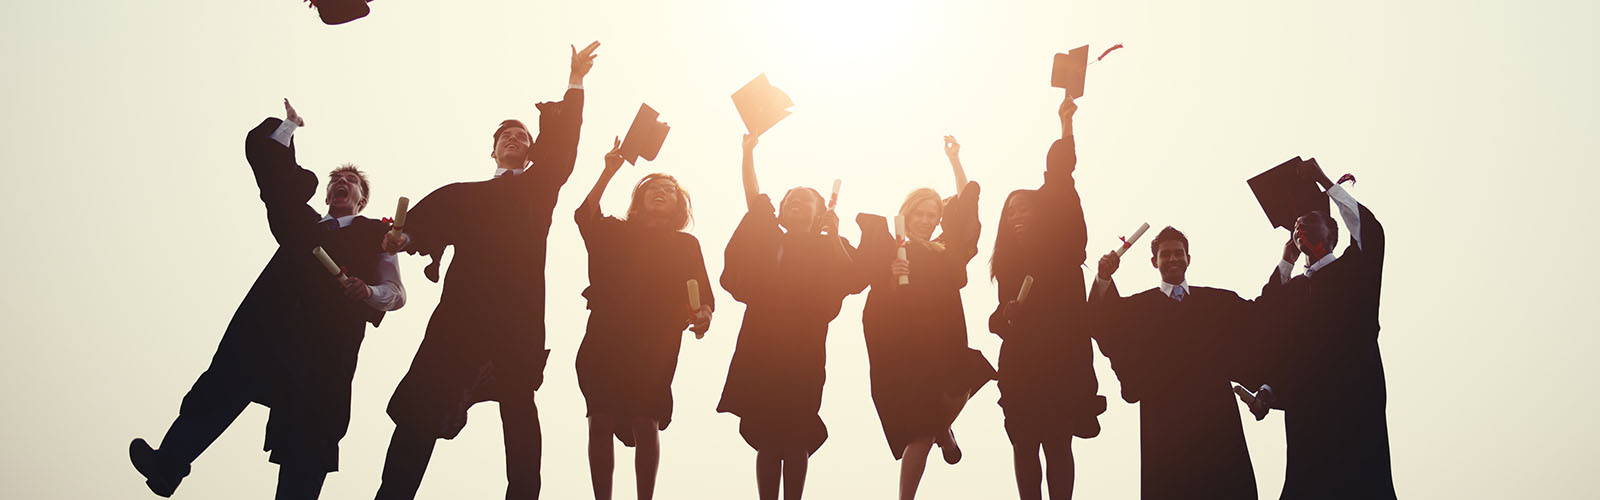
[(1108, 51), (1347, 177)]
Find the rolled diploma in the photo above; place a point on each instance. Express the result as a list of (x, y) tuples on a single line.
[(1027, 286), (327, 262), (900, 235), (1136, 234), (694, 302), (400, 215), (833, 199), (1244, 395)]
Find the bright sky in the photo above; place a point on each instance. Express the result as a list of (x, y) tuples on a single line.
[(133, 227)]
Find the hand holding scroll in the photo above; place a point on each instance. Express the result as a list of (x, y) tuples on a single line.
[(356, 289), (1260, 403), (394, 241), (1109, 264)]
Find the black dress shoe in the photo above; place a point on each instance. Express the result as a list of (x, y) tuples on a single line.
[(157, 474)]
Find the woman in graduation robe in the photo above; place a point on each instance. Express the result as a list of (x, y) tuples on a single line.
[(639, 307), (922, 370), (1047, 383), (792, 271)]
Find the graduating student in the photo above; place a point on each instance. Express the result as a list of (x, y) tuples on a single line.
[(485, 341), (1323, 335), (792, 270), (922, 371), (292, 343), (639, 307), (1172, 347), (1047, 383)]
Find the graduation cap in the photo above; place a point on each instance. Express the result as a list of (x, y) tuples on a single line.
[(1069, 70), (761, 105), (645, 136), (1285, 196), (340, 11)]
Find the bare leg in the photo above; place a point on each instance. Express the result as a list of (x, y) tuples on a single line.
[(1058, 458), (601, 458), (794, 473), (912, 462), (768, 469), (1025, 457), (647, 455)]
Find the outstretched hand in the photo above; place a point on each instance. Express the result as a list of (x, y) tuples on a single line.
[(290, 115), (1068, 108), (582, 62), (952, 149), (614, 157), (749, 142)]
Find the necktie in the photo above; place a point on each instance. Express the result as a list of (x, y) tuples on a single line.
[(329, 225), (1178, 294)]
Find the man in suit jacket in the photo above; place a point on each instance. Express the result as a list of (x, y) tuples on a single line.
[(485, 341), (292, 344), (1171, 348), (1321, 336)]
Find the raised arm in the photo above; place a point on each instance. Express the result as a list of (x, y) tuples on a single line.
[(285, 188), (555, 151), (952, 150), (747, 172), (613, 164)]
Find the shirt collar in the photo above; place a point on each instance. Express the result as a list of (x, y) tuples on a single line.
[(1166, 288), (502, 170), (1319, 264), (343, 221)]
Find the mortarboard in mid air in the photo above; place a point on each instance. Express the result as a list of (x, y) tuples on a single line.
[(1285, 195), (761, 105), (645, 136), (340, 11), (1069, 70)]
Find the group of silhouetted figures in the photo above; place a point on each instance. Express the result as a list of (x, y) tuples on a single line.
[(1307, 345)]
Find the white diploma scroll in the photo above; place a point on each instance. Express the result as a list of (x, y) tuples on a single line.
[(400, 215), (833, 199), (1128, 243), (1027, 286), (694, 302), (327, 263), (900, 236)]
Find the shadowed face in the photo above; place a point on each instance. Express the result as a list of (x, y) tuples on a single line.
[(1021, 216), (924, 216), (1172, 260), (512, 146), (344, 194), (659, 197), (800, 210), (1312, 234)]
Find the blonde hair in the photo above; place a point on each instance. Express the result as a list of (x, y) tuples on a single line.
[(917, 197)]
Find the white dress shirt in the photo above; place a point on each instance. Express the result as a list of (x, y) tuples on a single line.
[(1100, 286), (388, 294)]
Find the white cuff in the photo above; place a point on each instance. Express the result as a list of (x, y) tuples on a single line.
[(574, 86), (285, 132), (1099, 286), (1285, 268), (1349, 210)]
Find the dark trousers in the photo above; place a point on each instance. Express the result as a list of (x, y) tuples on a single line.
[(410, 450), (209, 410)]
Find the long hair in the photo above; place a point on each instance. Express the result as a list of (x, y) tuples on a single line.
[(917, 197), (681, 215), (1004, 258)]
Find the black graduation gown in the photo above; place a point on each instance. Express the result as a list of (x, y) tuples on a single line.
[(1176, 360), (1328, 373), (1047, 384), (293, 341), (792, 287), (916, 334), (485, 341), (639, 305)]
